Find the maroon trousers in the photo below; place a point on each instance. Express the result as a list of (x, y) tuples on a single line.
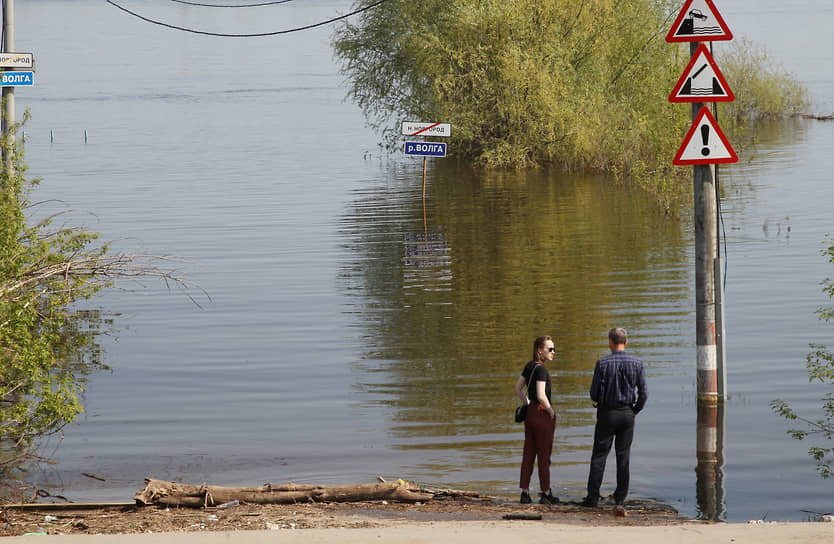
[(539, 429)]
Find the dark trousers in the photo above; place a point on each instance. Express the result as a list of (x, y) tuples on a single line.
[(539, 428), (613, 425)]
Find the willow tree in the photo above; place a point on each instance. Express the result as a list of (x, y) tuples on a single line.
[(763, 88), (581, 84), (578, 83)]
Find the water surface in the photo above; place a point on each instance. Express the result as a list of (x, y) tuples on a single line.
[(353, 332)]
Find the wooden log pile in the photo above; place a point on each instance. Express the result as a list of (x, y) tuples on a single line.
[(164, 493)]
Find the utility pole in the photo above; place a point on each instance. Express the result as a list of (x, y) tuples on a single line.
[(718, 275), (8, 92), (706, 253), (704, 147)]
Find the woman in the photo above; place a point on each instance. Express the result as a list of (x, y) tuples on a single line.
[(540, 423)]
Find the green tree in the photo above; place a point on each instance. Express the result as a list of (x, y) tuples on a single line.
[(820, 365), (47, 346), (763, 89), (580, 84)]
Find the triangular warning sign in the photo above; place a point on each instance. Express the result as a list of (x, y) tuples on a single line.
[(699, 21), (705, 143), (702, 81)]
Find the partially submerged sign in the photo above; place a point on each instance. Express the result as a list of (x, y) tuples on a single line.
[(702, 81), (705, 143), (426, 129), (699, 21), (425, 149)]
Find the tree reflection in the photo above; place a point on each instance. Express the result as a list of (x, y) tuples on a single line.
[(449, 310), (77, 355)]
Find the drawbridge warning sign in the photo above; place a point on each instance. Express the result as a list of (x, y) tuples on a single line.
[(705, 143), (699, 21), (702, 81)]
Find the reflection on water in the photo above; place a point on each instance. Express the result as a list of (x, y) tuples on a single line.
[(262, 177), (75, 352), (448, 326), (427, 261), (709, 483)]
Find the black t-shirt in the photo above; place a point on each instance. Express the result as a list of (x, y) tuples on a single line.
[(541, 375)]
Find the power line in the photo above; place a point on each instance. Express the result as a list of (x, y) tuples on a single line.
[(232, 5), (256, 35)]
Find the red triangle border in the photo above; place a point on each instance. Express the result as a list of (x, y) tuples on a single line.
[(702, 49), (671, 38), (704, 111)]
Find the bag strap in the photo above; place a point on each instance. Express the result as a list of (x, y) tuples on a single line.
[(530, 380)]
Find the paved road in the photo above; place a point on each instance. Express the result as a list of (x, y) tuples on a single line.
[(480, 533)]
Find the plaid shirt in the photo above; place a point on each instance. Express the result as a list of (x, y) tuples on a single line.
[(619, 380)]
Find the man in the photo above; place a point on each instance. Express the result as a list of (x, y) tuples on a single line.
[(619, 392)]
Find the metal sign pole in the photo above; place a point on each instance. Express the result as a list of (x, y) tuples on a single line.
[(8, 92), (704, 147), (425, 139)]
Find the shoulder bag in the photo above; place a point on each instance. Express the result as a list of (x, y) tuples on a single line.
[(521, 411)]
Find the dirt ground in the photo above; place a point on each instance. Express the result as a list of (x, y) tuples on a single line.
[(18, 520)]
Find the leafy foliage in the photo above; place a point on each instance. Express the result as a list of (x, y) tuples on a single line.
[(42, 343), (827, 313), (575, 83), (579, 84), (820, 365), (763, 89)]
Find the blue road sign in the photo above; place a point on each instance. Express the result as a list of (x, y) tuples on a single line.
[(425, 149), (17, 79)]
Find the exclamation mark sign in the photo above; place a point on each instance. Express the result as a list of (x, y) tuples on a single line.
[(705, 140)]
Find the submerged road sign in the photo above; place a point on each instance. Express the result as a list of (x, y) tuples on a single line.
[(425, 149), (705, 143), (699, 21), (426, 129), (17, 79), (702, 81), (17, 60)]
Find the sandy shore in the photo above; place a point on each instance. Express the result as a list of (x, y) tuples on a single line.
[(481, 532), (455, 520)]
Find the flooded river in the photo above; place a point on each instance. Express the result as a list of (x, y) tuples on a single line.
[(353, 332)]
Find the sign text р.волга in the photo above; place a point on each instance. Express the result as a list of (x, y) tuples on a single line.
[(425, 149), (17, 79)]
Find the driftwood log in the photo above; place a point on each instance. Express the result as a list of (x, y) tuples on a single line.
[(817, 116), (163, 493)]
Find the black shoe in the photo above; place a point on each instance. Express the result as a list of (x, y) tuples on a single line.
[(588, 502), (548, 499), (525, 498)]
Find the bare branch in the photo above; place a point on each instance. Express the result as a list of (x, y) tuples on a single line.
[(100, 269)]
